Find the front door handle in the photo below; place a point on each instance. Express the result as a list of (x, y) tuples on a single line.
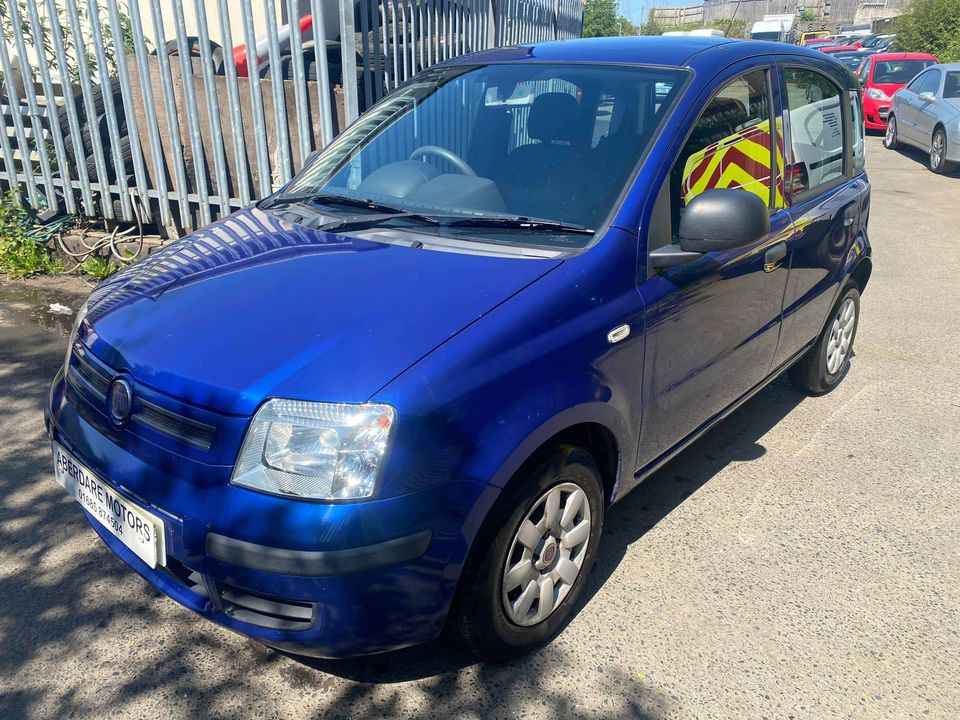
[(850, 214), (774, 257)]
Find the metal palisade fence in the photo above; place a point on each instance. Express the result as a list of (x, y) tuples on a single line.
[(175, 112)]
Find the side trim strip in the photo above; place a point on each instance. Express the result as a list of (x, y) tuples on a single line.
[(316, 563)]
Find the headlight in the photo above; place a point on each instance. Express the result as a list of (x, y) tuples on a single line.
[(81, 314), (318, 451), (877, 94)]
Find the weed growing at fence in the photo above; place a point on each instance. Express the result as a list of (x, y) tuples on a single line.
[(97, 268), (20, 253)]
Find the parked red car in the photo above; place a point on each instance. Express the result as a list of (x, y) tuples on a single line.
[(881, 76)]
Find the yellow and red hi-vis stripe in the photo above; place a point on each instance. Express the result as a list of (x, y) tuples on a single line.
[(741, 160)]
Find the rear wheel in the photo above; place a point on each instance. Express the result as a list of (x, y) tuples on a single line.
[(938, 152), (890, 141), (530, 563), (826, 363)]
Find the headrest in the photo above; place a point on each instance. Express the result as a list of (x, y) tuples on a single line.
[(553, 117)]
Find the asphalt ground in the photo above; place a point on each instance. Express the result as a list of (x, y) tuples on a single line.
[(800, 561)]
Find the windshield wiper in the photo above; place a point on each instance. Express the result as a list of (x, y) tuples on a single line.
[(326, 198), (362, 222), (521, 223)]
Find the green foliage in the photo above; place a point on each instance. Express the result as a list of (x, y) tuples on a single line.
[(97, 268), (731, 28), (42, 36), (652, 28), (600, 18), (931, 26), (626, 27), (20, 253), (807, 15)]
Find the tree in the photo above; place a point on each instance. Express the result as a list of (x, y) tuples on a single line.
[(600, 18), (931, 26), (626, 27), (652, 27)]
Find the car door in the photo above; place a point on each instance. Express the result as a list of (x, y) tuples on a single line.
[(925, 108), (906, 109), (716, 321), (827, 192)]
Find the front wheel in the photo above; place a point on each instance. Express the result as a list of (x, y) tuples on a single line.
[(890, 141), (530, 563), (938, 152), (822, 368)]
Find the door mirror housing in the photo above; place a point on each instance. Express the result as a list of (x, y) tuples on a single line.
[(927, 97), (721, 219)]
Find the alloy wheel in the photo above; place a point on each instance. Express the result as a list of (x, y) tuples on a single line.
[(937, 150), (546, 554), (841, 336), (890, 138)]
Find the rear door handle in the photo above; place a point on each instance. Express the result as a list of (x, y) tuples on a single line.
[(774, 257)]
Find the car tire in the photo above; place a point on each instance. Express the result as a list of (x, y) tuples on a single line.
[(890, 140), (822, 368), (495, 621), (938, 152)]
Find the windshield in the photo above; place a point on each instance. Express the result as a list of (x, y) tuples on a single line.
[(540, 141), (898, 72)]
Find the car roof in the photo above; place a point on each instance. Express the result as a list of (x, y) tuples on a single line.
[(696, 52), (949, 66), (902, 56)]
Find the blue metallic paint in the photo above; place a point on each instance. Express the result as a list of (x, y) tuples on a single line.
[(485, 359)]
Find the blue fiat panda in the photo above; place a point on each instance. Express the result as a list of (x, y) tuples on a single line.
[(401, 394)]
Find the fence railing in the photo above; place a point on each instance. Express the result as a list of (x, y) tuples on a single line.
[(134, 112)]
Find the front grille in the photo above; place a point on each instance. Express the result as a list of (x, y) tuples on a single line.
[(178, 572), (176, 426), (243, 605), (92, 379)]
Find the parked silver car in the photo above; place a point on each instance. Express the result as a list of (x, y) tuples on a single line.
[(926, 114)]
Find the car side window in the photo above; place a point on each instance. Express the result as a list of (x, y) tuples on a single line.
[(914, 85), (815, 115), (928, 82), (729, 147)]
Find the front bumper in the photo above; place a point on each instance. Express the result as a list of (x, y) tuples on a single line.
[(875, 113), (327, 580)]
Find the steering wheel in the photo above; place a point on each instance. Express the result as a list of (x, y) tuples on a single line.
[(451, 157)]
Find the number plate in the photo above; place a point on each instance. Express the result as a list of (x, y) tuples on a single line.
[(136, 528)]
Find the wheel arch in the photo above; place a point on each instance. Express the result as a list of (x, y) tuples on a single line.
[(861, 273), (594, 428)]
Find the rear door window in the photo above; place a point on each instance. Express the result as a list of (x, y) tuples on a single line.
[(815, 117)]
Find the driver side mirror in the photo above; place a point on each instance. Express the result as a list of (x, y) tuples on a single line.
[(717, 219), (927, 97)]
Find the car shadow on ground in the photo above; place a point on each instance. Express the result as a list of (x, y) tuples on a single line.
[(42, 615), (918, 156)]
